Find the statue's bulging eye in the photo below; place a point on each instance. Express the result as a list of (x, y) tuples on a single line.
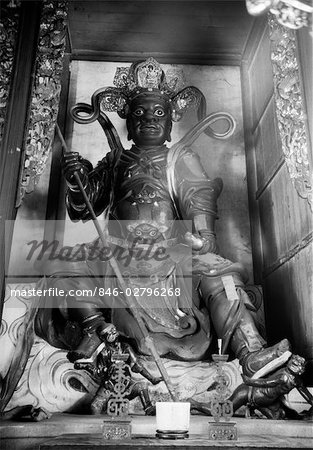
[(159, 112), (138, 112)]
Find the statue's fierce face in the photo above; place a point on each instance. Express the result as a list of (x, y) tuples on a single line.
[(149, 120)]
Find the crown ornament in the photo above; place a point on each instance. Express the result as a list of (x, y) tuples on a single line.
[(143, 78)]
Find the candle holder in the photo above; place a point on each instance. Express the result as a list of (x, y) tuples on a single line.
[(173, 420), (118, 425), (221, 407)]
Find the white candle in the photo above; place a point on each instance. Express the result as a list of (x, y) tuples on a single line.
[(219, 343), (172, 416)]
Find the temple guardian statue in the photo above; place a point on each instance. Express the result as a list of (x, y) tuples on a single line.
[(187, 294)]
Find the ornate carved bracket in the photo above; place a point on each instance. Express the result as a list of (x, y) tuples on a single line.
[(46, 94), (8, 38), (290, 110), (292, 14)]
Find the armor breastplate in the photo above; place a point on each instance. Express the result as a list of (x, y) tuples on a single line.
[(141, 198)]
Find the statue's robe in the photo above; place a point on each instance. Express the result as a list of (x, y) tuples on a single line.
[(147, 197)]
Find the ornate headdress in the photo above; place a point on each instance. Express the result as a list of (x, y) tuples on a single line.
[(145, 78)]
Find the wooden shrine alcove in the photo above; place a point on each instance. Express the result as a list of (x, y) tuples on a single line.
[(272, 217)]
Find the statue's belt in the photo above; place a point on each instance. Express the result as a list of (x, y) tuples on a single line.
[(166, 243), (148, 273)]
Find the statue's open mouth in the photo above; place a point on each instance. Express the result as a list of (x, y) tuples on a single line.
[(149, 128)]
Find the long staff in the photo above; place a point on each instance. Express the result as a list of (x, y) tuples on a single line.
[(131, 301)]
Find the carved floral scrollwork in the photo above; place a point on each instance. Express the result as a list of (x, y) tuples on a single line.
[(46, 94), (290, 110), (292, 14), (8, 38)]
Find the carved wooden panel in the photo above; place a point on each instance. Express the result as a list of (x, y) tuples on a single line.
[(290, 108), (44, 103), (261, 79), (305, 52), (289, 311), (285, 220), (269, 154)]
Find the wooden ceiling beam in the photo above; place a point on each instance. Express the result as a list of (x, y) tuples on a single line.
[(211, 31), (165, 58)]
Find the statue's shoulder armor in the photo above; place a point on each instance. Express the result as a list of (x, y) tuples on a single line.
[(189, 162), (183, 158), (186, 174)]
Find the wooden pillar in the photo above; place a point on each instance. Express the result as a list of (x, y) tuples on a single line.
[(14, 131)]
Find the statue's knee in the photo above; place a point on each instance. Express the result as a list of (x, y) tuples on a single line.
[(217, 289)]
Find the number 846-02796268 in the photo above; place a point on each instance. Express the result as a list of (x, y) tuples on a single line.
[(140, 292)]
